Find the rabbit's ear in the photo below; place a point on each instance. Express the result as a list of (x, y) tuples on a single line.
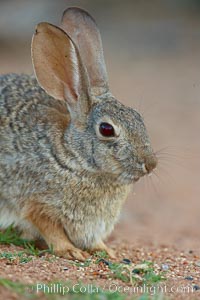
[(82, 29), (58, 67)]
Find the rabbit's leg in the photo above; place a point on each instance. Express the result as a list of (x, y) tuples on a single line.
[(102, 247), (56, 238), (52, 231)]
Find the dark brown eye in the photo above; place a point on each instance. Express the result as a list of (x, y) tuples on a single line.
[(106, 129)]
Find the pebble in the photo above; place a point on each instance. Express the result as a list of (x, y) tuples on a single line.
[(65, 269), (189, 278), (102, 260), (196, 287), (197, 263), (136, 271), (126, 261), (165, 267)]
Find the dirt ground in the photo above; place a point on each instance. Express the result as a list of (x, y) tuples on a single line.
[(181, 279), (160, 220)]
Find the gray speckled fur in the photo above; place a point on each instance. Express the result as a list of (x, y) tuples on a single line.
[(79, 179), (82, 177)]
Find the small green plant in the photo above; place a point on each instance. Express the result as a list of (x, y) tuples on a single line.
[(149, 297), (147, 273), (143, 273), (120, 271), (31, 249), (83, 264), (98, 254), (101, 254), (21, 255), (17, 287), (12, 236)]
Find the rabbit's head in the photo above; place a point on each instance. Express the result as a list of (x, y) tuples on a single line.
[(105, 137)]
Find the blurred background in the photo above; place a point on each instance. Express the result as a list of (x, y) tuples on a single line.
[(152, 51)]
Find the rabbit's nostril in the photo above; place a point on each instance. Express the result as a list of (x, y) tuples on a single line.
[(150, 163)]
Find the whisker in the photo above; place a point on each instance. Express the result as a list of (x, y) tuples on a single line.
[(171, 162), (171, 156), (161, 150), (154, 173), (154, 186), (168, 154), (173, 179), (183, 152), (160, 179), (146, 184)]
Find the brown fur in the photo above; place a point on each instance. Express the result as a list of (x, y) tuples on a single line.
[(61, 178)]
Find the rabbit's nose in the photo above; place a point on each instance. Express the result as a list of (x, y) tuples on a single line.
[(150, 163)]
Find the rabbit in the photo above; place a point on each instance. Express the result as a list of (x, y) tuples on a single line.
[(69, 150)]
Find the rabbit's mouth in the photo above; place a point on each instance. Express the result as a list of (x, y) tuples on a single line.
[(130, 178), (145, 170), (136, 178), (141, 172)]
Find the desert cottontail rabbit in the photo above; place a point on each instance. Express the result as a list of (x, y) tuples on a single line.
[(68, 149)]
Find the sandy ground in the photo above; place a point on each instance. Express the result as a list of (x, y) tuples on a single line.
[(162, 213), (47, 272)]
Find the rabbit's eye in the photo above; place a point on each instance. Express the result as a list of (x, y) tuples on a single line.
[(106, 129)]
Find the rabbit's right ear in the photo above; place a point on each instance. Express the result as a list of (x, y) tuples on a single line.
[(58, 68)]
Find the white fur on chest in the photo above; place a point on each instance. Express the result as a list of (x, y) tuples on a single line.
[(98, 220), (95, 232)]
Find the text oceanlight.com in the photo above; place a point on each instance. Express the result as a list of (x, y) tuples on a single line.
[(62, 289)]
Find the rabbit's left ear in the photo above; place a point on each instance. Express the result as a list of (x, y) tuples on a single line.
[(59, 70), (82, 29)]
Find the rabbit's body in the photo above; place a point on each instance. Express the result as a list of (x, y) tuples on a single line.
[(41, 169), (69, 151)]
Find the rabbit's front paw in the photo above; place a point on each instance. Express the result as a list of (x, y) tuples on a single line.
[(102, 247), (111, 252), (73, 254)]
